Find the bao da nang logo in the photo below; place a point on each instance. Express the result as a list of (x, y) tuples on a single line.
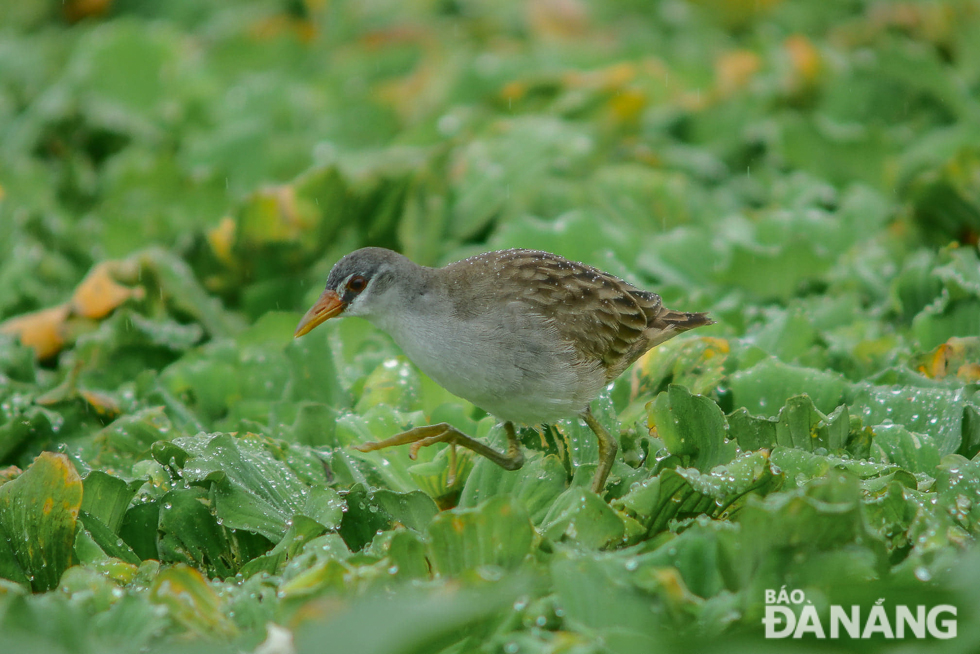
[(790, 614)]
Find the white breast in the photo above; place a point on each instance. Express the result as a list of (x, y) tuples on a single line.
[(512, 364)]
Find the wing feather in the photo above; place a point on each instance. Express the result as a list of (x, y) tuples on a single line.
[(609, 320)]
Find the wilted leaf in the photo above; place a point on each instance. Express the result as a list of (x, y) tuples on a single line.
[(42, 330), (958, 357), (99, 294)]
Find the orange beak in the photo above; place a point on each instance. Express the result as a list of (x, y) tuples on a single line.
[(328, 306)]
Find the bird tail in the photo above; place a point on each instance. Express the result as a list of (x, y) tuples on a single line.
[(683, 321), (669, 324)]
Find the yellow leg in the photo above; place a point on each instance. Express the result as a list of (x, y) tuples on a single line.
[(427, 435), (607, 451)]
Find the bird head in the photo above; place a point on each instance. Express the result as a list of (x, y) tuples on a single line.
[(358, 285)]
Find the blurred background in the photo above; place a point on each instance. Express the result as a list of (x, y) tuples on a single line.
[(178, 177), (713, 148)]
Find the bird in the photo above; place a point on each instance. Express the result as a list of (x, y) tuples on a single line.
[(528, 336)]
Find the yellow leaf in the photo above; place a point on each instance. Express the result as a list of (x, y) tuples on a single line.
[(272, 215), (40, 507), (627, 106), (416, 94), (610, 78), (274, 27), (805, 58), (42, 330), (76, 10), (119, 571), (221, 239), (513, 90), (9, 474), (957, 356), (969, 373), (558, 18), (103, 404), (734, 70), (99, 294)]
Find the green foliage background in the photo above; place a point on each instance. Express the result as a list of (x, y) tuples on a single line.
[(177, 178)]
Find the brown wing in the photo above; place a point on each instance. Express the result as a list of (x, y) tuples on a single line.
[(611, 321)]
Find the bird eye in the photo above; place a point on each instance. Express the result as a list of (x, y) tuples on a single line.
[(356, 284)]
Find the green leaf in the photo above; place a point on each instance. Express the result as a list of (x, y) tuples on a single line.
[(800, 466), (909, 450), (787, 335), (416, 622), (497, 533), (253, 489), (20, 424), (697, 364), (824, 516), (389, 468), (582, 516), (189, 533), (696, 554), (363, 519), (765, 387), (537, 484), (971, 432), (773, 272), (139, 529), (127, 343), (312, 369), (577, 234), (107, 498), (191, 601), (522, 152), (752, 432), (300, 532), (38, 511), (128, 438), (106, 539), (937, 323), (684, 492), (415, 509), (692, 427), (17, 361), (181, 289), (958, 489), (890, 514), (396, 383), (802, 426), (595, 598), (936, 411)]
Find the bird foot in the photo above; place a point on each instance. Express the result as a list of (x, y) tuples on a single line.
[(420, 437), (424, 436)]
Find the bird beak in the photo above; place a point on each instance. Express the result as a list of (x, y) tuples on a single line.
[(328, 306)]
